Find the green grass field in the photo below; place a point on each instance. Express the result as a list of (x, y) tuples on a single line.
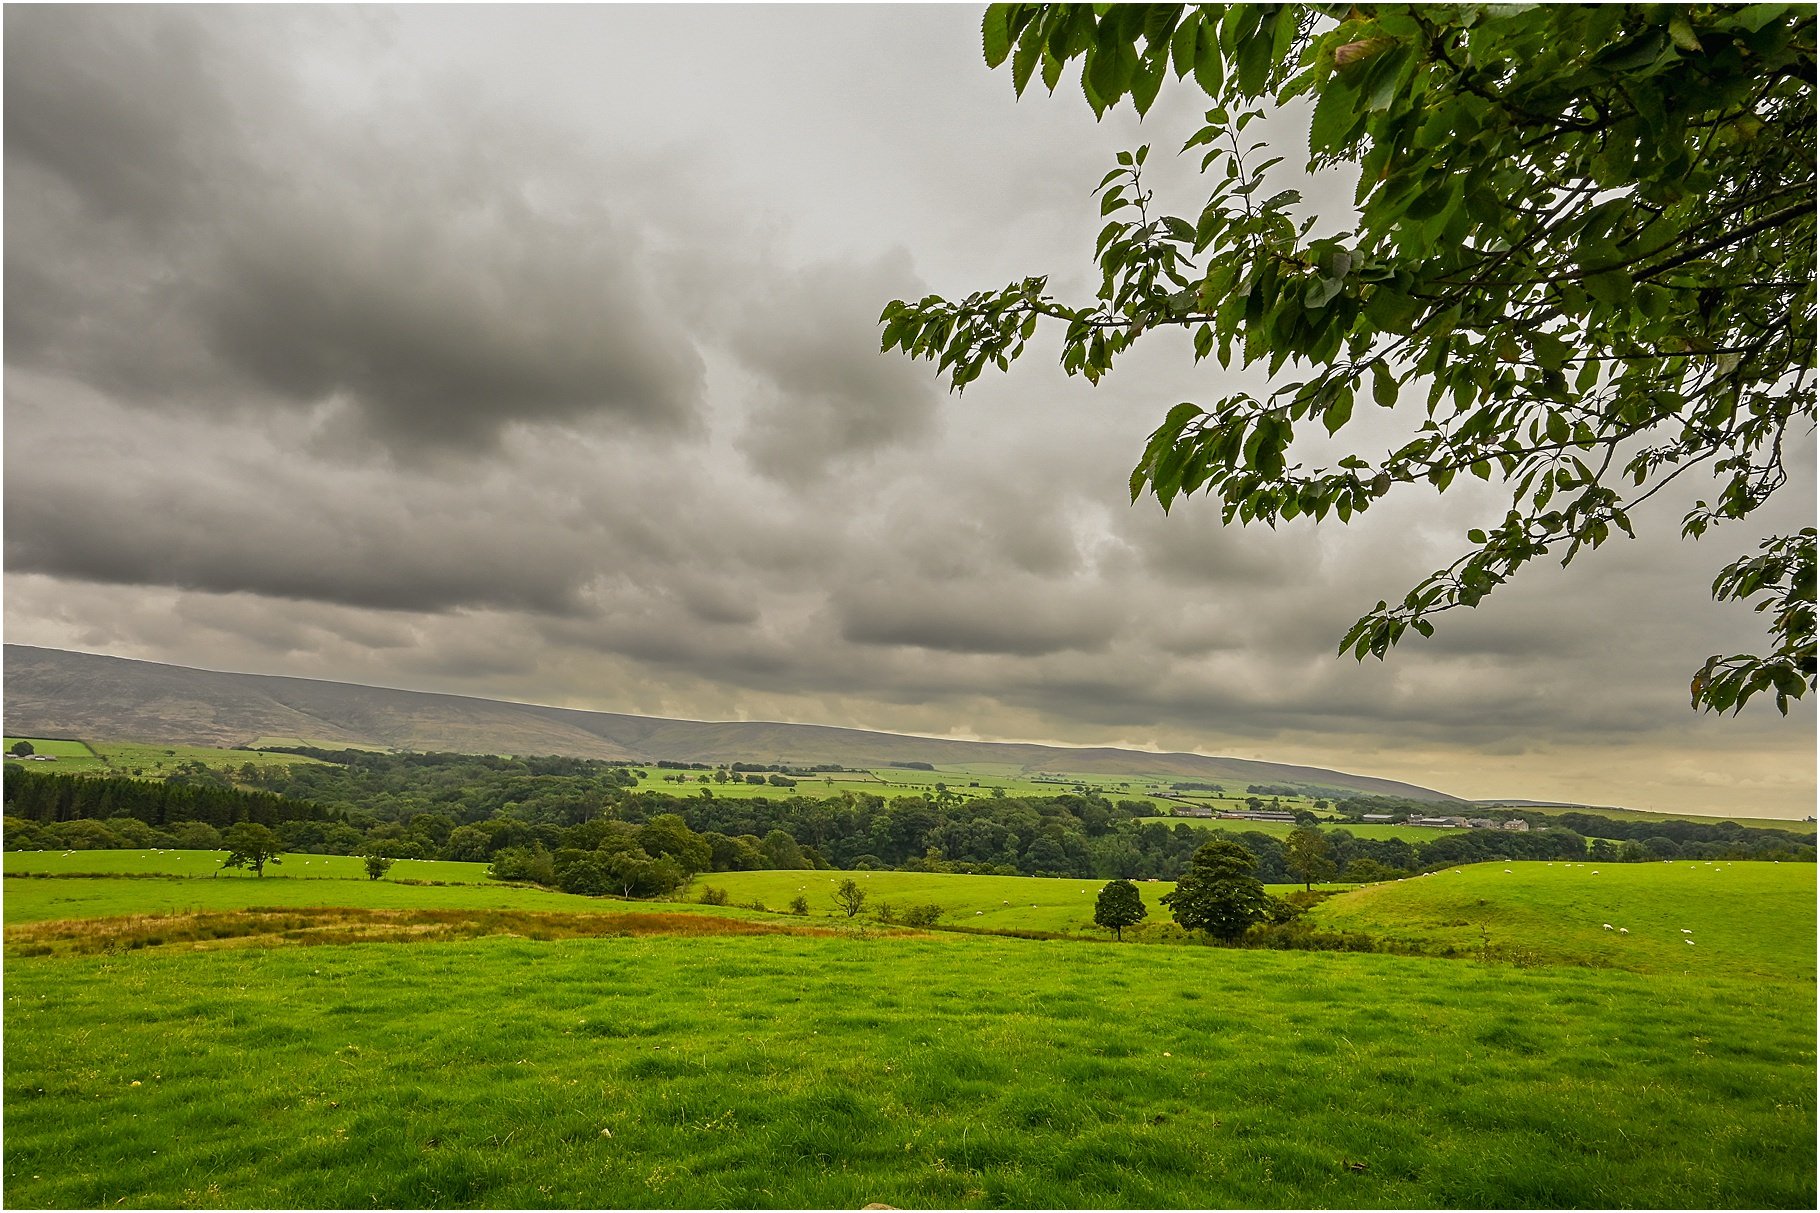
[(696, 1068), (208, 863), (1755, 823), (1281, 829), (1021, 903), (1745, 920), (785, 1072), (148, 760)]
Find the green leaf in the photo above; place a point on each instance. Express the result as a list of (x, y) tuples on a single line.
[(1682, 34), (1208, 68), (996, 33), (1383, 385), (1337, 413)]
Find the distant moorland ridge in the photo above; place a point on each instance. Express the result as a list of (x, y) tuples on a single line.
[(57, 693)]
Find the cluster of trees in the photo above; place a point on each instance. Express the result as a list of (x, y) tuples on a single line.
[(577, 824), (47, 797), (1219, 894)]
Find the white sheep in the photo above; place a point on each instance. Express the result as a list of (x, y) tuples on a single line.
[(1685, 931), (1624, 930), (1609, 927), (1688, 942)]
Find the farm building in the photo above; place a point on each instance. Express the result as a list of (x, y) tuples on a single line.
[(1516, 823), (1260, 815), (1192, 810)]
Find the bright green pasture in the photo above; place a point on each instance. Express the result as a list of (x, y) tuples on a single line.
[(146, 759), (660, 1072), (70, 755), (1755, 823), (61, 749), (109, 897), (1746, 920), (208, 863), (1282, 829), (998, 903)]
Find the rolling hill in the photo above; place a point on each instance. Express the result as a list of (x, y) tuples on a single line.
[(56, 693)]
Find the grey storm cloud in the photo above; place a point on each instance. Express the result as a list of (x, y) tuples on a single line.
[(477, 349), (824, 390), (424, 274)]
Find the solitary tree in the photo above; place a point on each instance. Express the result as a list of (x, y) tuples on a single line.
[(377, 865), (849, 896), (1218, 893), (22, 748), (1118, 907), (1307, 855), (1583, 255), (250, 845)]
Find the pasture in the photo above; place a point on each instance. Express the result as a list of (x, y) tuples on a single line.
[(1282, 829), (1755, 823), (1745, 920), (489, 1045), (998, 903), (208, 863), (147, 760), (700, 1071)]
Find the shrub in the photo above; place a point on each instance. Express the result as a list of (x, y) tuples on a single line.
[(799, 905), (921, 916), (886, 913), (712, 896)]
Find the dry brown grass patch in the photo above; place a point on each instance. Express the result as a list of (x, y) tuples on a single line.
[(267, 927)]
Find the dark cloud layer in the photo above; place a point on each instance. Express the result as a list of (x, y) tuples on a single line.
[(487, 353), (410, 267)]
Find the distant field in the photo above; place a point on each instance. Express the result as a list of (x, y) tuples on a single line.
[(1755, 823), (969, 780), (208, 863), (1282, 829), (145, 759), (45, 900), (1746, 920), (1024, 903)]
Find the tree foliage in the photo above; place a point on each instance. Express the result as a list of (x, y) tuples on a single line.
[(1219, 892), (251, 845), (1119, 906), (1307, 855), (1582, 263), (849, 896)]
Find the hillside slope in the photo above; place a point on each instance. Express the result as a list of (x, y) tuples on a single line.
[(52, 693)]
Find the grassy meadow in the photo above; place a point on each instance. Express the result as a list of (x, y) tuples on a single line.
[(1018, 903), (1752, 921), (152, 861), (1282, 829), (330, 1041), (149, 760)]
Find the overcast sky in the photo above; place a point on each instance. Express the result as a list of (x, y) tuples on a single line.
[(532, 353)]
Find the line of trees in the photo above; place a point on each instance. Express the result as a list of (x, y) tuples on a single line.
[(43, 797), (577, 822)]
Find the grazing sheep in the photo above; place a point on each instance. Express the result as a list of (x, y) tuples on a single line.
[(1688, 942), (1685, 931), (1624, 930), (1609, 927)]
